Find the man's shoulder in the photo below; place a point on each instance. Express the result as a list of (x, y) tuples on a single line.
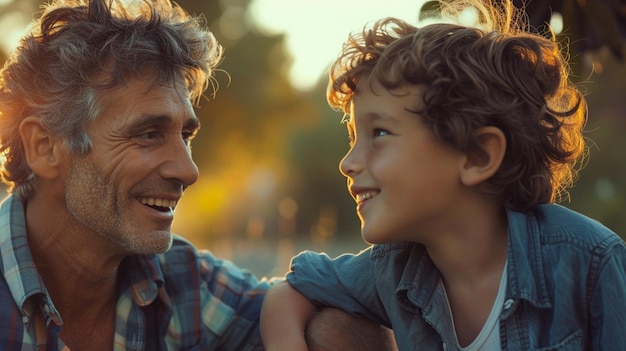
[(11, 318), (183, 256), (185, 261), (181, 249)]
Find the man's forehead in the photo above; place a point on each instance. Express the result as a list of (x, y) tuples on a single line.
[(142, 100), (139, 89)]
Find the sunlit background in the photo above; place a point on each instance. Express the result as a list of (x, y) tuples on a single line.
[(269, 147)]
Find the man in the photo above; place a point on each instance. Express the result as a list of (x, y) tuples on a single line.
[(96, 119)]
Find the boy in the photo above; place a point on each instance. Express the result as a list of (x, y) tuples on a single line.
[(461, 140), (96, 123)]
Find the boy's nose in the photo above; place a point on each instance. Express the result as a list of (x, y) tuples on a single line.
[(349, 165)]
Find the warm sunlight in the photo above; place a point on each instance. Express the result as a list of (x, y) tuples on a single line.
[(315, 30)]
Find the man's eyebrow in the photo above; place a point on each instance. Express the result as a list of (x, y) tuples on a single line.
[(193, 123), (148, 120)]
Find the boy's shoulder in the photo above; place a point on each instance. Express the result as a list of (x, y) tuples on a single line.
[(378, 250), (556, 223), (557, 216)]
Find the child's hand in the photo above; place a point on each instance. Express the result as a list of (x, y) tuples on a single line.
[(284, 316)]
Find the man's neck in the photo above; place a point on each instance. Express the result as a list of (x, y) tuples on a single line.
[(78, 271)]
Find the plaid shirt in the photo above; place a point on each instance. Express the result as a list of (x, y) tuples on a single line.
[(183, 299)]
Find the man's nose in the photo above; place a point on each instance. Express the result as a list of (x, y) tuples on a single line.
[(180, 165)]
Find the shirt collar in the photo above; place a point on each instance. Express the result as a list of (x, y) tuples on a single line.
[(420, 278), (525, 265), (145, 277), (16, 262), (420, 269)]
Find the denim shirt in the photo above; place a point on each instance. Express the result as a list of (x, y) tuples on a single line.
[(565, 288)]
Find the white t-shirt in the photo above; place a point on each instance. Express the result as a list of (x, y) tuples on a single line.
[(489, 337)]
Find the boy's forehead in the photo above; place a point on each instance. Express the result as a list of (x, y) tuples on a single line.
[(376, 88), (373, 85)]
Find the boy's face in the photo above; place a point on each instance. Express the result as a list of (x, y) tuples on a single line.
[(405, 182)]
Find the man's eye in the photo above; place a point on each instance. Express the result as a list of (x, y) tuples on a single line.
[(188, 135), (148, 138), (149, 135)]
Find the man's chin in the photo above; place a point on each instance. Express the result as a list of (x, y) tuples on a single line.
[(157, 242)]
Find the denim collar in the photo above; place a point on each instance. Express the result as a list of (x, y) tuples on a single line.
[(418, 285)]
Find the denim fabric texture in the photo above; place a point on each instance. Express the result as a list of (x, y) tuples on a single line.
[(566, 286)]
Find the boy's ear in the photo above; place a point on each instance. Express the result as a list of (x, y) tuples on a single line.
[(41, 148), (483, 162)]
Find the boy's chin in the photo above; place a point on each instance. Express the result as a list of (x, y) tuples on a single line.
[(373, 239)]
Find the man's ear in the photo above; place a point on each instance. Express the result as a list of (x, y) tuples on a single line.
[(41, 148), (483, 162)]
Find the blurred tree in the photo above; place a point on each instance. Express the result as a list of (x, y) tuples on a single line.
[(243, 146), (314, 155), (600, 191), (589, 26)]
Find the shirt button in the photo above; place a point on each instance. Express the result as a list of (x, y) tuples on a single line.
[(25, 319), (508, 303), (46, 308)]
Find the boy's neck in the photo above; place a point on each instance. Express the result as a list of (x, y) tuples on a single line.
[(471, 264), (474, 252)]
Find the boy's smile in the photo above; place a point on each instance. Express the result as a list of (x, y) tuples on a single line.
[(363, 196)]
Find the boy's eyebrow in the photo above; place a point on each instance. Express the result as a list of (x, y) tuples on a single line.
[(373, 117)]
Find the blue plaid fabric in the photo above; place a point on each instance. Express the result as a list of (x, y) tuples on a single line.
[(184, 299)]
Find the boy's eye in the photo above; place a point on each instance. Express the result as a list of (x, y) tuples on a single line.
[(379, 132)]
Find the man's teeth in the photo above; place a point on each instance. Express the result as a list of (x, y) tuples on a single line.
[(150, 201)]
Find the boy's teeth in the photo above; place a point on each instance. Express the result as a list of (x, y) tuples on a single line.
[(364, 196)]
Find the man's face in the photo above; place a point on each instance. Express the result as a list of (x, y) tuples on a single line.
[(127, 187)]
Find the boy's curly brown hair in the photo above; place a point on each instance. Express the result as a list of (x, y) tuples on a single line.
[(494, 74)]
